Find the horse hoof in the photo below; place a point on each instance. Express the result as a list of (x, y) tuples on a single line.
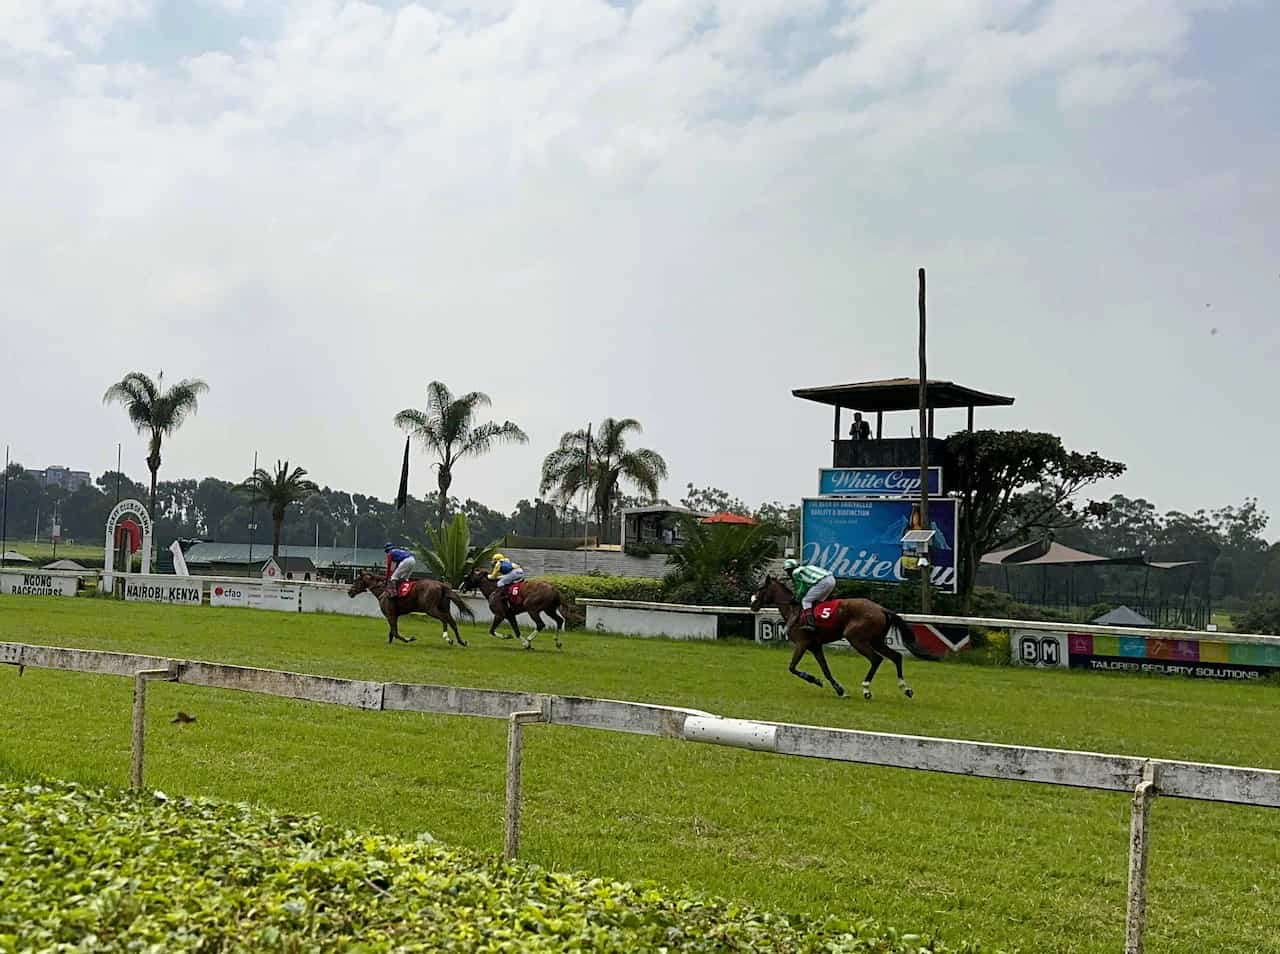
[(411, 639), (910, 693), (866, 694), (840, 691)]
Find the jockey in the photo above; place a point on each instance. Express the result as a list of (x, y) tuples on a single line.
[(813, 585), (505, 572), (400, 564)]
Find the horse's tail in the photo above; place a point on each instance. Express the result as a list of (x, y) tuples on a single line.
[(463, 609), (572, 615), (908, 636)]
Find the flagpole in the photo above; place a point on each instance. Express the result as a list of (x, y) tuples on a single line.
[(4, 508)]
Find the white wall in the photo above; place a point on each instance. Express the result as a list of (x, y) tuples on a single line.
[(38, 582), (634, 621)]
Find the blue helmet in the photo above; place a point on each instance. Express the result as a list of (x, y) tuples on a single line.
[(386, 548)]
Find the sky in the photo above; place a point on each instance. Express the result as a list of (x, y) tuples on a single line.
[(672, 210)]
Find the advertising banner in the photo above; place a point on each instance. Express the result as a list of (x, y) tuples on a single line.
[(1197, 658), (153, 591), (876, 482), (862, 539), (36, 584)]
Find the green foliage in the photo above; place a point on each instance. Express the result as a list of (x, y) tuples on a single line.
[(448, 427), (600, 462), (1015, 482), (113, 872), (1261, 617), (449, 554), (719, 564), (594, 587)]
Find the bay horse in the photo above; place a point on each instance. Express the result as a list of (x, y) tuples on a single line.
[(431, 597), (864, 623), (537, 597)]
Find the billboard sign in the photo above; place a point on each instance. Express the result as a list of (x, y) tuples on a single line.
[(861, 539), (876, 482)]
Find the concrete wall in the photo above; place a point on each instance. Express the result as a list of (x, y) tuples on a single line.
[(578, 562), (638, 621)]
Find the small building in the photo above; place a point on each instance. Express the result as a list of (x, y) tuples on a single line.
[(277, 568), (13, 556), (64, 565), (656, 526), (731, 519), (64, 477)]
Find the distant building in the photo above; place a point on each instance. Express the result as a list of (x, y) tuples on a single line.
[(58, 476)]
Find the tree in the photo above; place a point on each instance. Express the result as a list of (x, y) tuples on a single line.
[(600, 463), (719, 563), (1015, 482), (449, 555), (449, 428), (713, 500), (279, 490), (153, 409)]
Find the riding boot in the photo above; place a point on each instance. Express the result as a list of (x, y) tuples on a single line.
[(806, 621)]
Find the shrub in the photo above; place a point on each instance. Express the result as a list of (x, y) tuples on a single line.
[(607, 588), (113, 872), (1261, 617)]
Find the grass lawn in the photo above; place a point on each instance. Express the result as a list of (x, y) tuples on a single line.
[(1012, 865), (42, 553)]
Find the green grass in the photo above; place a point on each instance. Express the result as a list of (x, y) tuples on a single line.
[(1008, 864), (42, 553)]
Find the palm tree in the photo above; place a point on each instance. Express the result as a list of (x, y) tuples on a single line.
[(279, 490), (152, 408), (449, 428), (713, 551), (451, 556), (600, 463)]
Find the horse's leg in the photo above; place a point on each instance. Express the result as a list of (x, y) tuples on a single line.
[(499, 614), (796, 654), (441, 614), (559, 621), (453, 624), (538, 624), (819, 655), (884, 649), (516, 627), (874, 657)]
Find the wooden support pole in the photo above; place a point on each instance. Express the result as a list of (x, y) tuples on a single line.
[(1139, 846), (515, 755), (140, 680), (879, 424)]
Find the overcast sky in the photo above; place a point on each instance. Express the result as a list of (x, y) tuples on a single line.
[(674, 210)]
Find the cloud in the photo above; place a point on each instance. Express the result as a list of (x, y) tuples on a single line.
[(672, 209)]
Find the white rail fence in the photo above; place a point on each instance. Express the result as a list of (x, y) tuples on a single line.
[(1143, 778)]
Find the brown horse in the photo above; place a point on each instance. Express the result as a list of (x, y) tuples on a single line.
[(864, 623), (538, 597), (432, 597)]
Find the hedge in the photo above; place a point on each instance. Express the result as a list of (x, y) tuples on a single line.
[(91, 869)]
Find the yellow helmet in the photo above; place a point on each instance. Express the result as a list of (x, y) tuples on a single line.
[(499, 556)]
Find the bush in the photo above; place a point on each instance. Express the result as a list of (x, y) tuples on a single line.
[(594, 587), (1262, 617), (114, 872)]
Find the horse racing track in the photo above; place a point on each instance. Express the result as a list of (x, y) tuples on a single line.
[(1010, 865)]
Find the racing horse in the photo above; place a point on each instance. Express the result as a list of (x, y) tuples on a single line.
[(432, 597), (534, 597), (864, 623)]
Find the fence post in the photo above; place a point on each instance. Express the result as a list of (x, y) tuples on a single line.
[(140, 680), (515, 753), (1139, 843)]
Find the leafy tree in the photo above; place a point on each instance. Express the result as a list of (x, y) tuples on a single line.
[(713, 500), (600, 463), (449, 428), (1262, 617), (279, 490), (156, 411), (720, 562), (449, 554), (1016, 482)]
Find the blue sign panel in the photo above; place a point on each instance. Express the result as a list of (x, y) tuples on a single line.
[(876, 482), (862, 539)]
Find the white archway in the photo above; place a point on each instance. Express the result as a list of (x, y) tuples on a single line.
[(132, 508)]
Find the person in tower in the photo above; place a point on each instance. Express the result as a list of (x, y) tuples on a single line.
[(813, 584), (400, 564)]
